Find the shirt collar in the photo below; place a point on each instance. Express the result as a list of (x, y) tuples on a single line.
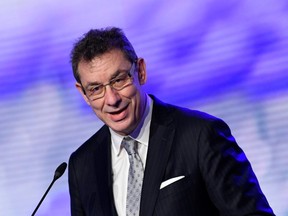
[(141, 132)]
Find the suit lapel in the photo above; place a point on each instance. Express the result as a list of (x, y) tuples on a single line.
[(160, 141), (103, 171)]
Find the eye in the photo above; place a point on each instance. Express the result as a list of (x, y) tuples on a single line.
[(121, 77), (119, 80), (95, 89)]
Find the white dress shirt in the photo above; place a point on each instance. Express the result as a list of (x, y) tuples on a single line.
[(120, 160)]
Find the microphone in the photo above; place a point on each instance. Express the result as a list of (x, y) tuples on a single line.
[(58, 173)]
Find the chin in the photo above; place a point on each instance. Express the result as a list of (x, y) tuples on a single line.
[(122, 129)]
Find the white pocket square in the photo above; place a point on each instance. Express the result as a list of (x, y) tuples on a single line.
[(170, 181)]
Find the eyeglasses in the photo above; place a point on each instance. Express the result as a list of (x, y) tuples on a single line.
[(123, 80)]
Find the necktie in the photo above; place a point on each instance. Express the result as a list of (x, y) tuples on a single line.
[(135, 177)]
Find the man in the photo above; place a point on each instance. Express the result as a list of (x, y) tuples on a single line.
[(185, 162)]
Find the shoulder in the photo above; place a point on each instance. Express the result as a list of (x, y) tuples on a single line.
[(198, 122), (185, 116), (95, 142)]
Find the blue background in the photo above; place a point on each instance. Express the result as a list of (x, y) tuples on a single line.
[(227, 58)]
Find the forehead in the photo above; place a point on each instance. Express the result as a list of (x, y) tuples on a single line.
[(103, 67)]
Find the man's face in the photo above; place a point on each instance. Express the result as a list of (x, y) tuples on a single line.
[(120, 110)]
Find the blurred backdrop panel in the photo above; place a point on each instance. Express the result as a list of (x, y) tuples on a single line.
[(227, 58)]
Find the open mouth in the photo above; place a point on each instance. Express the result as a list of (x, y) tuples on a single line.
[(119, 115), (119, 111)]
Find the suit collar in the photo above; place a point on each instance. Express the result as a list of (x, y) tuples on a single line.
[(160, 141)]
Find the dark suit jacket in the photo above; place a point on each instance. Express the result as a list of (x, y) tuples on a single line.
[(218, 177)]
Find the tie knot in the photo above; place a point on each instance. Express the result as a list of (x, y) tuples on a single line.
[(130, 145)]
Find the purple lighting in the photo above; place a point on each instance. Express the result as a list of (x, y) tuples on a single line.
[(227, 58)]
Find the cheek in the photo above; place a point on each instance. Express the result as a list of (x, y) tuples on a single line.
[(136, 105), (97, 108), (129, 92)]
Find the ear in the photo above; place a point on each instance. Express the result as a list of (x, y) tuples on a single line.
[(80, 89), (141, 69)]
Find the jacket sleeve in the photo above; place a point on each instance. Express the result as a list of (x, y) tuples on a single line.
[(228, 175)]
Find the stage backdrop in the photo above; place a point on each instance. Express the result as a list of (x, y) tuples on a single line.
[(228, 58)]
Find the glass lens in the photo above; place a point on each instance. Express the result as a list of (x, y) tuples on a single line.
[(121, 82), (95, 90)]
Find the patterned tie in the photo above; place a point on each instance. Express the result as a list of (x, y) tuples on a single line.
[(135, 178)]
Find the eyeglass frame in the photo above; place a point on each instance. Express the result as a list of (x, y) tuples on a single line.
[(111, 82)]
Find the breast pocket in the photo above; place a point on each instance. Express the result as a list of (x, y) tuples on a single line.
[(176, 187), (177, 198)]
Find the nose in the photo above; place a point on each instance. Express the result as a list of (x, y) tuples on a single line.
[(112, 97)]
